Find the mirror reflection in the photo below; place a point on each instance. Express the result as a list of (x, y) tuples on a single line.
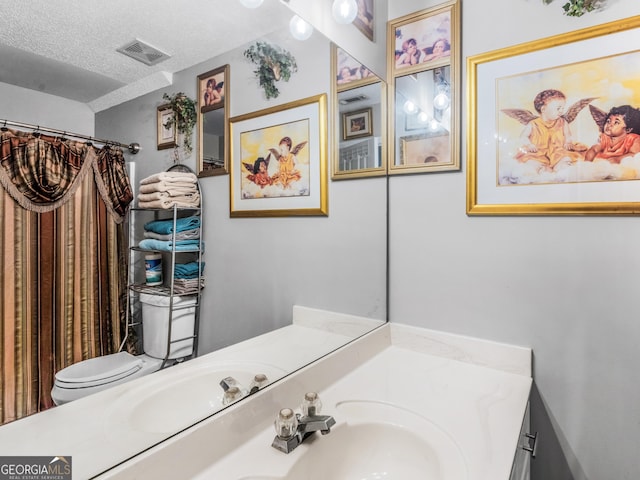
[(423, 118), (360, 131), (268, 280), (360, 99)]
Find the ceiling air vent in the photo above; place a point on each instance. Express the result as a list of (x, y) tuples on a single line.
[(357, 98), (138, 50)]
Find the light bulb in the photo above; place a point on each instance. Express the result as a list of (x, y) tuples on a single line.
[(251, 3), (434, 125), (344, 11), (409, 107), (300, 30), (441, 101), (423, 117)]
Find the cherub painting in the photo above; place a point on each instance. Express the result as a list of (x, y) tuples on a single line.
[(546, 138), (559, 140), (273, 164)]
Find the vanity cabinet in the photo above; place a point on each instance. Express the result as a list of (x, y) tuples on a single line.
[(521, 469), (175, 300)]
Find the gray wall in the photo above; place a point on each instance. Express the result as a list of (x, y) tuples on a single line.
[(28, 106), (565, 286), (258, 268)]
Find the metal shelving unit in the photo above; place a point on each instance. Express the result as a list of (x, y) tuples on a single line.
[(137, 276)]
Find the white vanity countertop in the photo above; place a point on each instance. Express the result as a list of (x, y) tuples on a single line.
[(90, 431), (476, 391)]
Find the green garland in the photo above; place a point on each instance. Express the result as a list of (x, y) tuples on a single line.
[(184, 118), (274, 64), (577, 8)]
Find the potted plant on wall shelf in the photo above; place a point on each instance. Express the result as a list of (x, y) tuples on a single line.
[(184, 118), (274, 64)]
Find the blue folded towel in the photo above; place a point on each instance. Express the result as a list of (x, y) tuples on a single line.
[(165, 227), (187, 270), (181, 246)]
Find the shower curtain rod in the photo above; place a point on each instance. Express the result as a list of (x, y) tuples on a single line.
[(133, 147)]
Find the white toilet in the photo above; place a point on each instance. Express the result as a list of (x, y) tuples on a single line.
[(96, 374)]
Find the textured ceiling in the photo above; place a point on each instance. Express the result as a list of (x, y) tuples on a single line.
[(68, 47)]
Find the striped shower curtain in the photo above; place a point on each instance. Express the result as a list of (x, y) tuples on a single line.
[(62, 260)]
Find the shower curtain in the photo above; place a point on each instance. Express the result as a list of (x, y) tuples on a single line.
[(62, 262)]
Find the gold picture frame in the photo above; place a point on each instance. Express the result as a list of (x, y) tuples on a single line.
[(424, 90), (507, 93), (279, 160)]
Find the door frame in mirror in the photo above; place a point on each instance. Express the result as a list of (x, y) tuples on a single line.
[(220, 101), (422, 22)]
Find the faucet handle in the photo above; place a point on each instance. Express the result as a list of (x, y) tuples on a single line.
[(259, 380), (232, 394), (286, 423), (311, 406)]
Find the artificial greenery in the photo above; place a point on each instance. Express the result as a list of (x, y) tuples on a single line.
[(577, 8), (274, 64), (184, 117)]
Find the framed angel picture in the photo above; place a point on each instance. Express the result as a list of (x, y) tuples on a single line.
[(279, 160), (555, 125)]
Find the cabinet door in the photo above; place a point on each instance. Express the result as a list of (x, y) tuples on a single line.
[(522, 460)]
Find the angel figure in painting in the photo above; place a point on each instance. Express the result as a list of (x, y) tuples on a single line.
[(620, 134), (259, 171), (546, 139), (286, 156)]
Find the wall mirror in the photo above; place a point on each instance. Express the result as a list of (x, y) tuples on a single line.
[(423, 49), (360, 99), (212, 122), (256, 268), (365, 38)]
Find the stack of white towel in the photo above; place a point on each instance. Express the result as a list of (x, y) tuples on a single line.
[(169, 189)]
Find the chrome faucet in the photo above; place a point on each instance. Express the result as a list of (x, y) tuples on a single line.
[(293, 428), (234, 391)]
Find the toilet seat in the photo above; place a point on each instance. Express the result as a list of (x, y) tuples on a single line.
[(99, 371)]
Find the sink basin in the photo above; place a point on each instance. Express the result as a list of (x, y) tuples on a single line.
[(173, 401), (374, 441)]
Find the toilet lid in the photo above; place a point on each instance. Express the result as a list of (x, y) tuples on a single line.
[(99, 370)]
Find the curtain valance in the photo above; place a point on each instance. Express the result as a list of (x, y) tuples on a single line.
[(41, 172)]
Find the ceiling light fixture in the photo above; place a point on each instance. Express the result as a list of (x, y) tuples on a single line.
[(251, 3), (344, 11), (410, 108), (300, 30)]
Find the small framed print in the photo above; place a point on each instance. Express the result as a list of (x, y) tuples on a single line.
[(356, 124), (166, 129)]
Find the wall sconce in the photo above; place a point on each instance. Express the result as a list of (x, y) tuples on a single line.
[(251, 3), (300, 30), (344, 11)]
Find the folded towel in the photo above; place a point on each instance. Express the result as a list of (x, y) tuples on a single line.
[(170, 177), (186, 235), (182, 201), (183, 287), (165, 227), (164, 205), (187, 270), (182, 246), (173, 188), (149, 197)]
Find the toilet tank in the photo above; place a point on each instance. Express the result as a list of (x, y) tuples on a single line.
[(156, 311)]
